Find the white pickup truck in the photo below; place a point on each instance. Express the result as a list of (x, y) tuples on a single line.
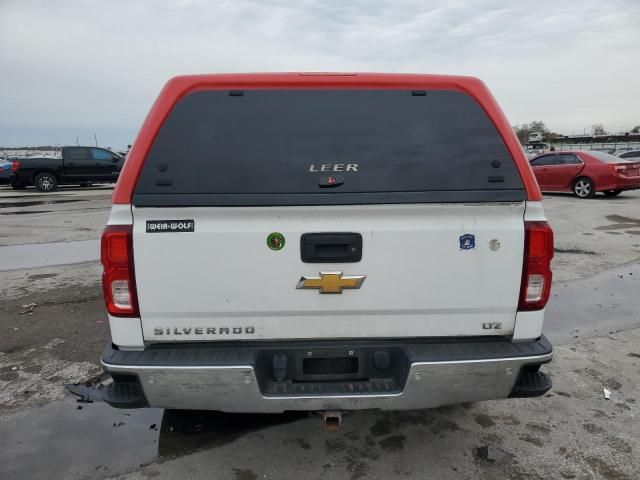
[(325, 242)]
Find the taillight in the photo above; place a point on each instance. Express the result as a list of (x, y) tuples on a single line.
[(619, 168), (536, 272), (118, 277), (15, 165)]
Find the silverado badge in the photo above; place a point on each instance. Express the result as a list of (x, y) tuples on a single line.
[(331, 282)]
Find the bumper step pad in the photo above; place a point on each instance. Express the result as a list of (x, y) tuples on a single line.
[(531, 384), (125, 394)]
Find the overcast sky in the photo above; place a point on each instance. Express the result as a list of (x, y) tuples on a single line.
[(75, 68)]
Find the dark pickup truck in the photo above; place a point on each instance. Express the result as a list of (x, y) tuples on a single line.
[(77, 165)]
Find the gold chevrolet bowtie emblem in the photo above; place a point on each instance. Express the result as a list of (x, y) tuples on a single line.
[(331, 282)]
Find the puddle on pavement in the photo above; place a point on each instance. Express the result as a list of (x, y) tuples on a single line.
[(25, 213), (41, 276), (36, 255), (184, 431), (38, 203), (620, 223), (621, 219), (595, 305), (33, 194), (577, 251), (58, 440)]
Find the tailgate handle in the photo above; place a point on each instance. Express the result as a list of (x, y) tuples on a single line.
[(331, 247)]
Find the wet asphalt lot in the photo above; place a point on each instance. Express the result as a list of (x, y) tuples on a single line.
[(573, 432)]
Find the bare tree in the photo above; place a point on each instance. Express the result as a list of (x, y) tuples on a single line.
[(552, 137), (598, 129), (523, 131), (538, 126)]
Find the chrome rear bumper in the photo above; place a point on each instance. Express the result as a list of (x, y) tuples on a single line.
[(236, 387)]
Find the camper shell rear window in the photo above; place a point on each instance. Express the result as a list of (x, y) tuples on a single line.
[(326, 147)]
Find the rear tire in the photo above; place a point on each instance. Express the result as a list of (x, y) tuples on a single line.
[(46, 182), (612, 193), (584, 187)]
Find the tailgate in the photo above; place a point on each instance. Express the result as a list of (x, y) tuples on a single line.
[(422, 179), (430, 270)]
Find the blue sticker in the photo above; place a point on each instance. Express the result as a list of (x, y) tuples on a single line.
[(467, 241)]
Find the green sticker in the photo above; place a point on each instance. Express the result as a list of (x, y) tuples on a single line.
[(275, 241)]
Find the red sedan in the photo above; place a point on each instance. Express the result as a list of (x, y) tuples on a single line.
[(585, 173)]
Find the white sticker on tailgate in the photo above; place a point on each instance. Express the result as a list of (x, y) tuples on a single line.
[(170, 226)]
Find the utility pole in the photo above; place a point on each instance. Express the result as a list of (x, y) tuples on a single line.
[(95, 137), (77, 143)]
